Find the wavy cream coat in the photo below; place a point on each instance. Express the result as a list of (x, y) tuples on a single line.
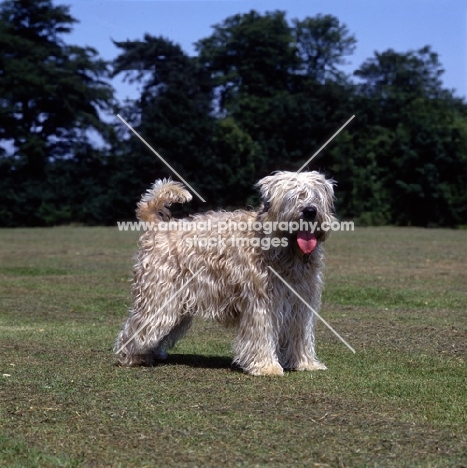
[(234, 284)]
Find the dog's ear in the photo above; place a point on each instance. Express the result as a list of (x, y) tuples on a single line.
[(264, 187), (325, 186), (329, 185), (328, 192)]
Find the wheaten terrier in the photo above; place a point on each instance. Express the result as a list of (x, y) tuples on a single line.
[(219, 265)]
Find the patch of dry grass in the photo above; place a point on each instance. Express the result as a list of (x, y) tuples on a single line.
[(398, 297)]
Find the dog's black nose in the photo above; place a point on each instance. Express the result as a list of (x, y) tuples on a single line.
[(309, 212)]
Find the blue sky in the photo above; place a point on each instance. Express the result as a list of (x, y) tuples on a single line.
[(377, 24)]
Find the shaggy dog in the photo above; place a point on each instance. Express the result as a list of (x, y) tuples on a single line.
[(232, 267)]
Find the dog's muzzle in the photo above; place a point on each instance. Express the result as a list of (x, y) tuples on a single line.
[(307, 240)]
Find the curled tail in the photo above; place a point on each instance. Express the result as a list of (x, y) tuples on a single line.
[(154, 204)]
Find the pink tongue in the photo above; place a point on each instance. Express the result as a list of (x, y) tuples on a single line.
[(306, 241)]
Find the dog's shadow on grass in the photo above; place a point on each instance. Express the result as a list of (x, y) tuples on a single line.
[(198, 361)]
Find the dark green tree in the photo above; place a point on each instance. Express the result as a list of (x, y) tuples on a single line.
[(173, 114), (249, 54), (51, 94), (397, 76), (323, 43), (421, 162), (279, 82)]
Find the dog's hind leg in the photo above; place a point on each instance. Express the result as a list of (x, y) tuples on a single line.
[(169, 340), (145, 342)]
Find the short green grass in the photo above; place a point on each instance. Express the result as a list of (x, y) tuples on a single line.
[(398, 296)]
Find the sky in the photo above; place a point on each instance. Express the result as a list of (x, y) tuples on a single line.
[(378, 25)]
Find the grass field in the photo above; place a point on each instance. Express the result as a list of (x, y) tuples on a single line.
[(398, 296)]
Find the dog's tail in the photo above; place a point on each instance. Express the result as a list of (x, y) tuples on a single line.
[(154, 204)]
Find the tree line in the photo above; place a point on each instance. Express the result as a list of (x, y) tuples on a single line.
[(261, 94)]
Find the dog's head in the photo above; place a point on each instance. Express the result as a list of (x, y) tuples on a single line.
[(304, 202)]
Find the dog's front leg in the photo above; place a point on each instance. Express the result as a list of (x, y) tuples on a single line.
[(298, 338), (255, 346)]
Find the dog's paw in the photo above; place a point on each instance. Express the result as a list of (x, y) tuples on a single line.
[(273, 369), (311, 366)]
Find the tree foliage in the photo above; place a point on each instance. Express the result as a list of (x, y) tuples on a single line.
[(423, 162), (50, 97), (274, 80), (262, 94), (323, 43), (172, 112)]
